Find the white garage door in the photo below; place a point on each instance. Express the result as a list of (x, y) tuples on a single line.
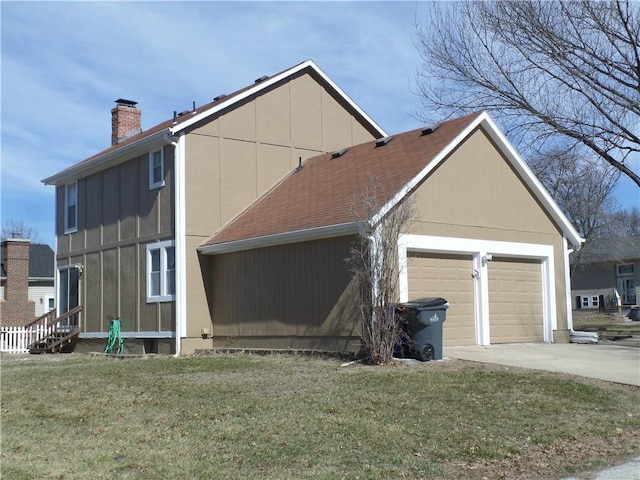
[(515, 301), (447, 276)]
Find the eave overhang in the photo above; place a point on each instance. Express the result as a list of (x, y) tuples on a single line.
[(306, 235), (109, 159)]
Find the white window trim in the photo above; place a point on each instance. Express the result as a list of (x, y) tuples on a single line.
[(66, 209), (163, 297), (153, 185)]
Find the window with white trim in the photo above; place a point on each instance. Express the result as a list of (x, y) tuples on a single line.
[(161, 272), (592, 301), (156, 169), (71, 208)]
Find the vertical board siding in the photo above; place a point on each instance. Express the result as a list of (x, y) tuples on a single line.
[(117, 216), (289, 290)]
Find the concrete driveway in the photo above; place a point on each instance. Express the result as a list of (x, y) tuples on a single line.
[(613, 363)]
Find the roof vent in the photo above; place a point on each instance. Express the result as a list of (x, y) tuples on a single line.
[(215, 99), (383, 141), (183, 113), (339, 153), (430, 128), (261, 79)]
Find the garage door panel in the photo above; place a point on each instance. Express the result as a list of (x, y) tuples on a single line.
[(515, 301), (448, 277)]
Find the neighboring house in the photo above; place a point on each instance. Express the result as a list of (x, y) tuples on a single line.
[(26, 281), (253, 169), (129, 219), (602, 265)]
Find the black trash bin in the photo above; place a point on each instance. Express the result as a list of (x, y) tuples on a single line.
[(422, 321)]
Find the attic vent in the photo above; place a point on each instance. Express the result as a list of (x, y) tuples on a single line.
[(183, 113), (215, 99), (383, 141), (339, 153), (261, 79), (430, 128)]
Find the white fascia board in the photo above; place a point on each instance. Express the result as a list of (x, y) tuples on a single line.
[(281, 239), (107, 160), (268, 83), (515, 160)]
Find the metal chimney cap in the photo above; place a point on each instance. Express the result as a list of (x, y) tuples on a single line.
[(126, 103)]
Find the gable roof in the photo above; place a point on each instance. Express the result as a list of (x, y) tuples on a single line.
[(319, 199), (41, 261), (609, 249), (162, 132)]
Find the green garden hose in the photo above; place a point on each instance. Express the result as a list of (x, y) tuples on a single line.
[(115, 343)]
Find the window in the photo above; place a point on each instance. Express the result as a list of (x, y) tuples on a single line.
[(592, 301), (71, 208), (626, 269), (156, 169), (161, 272)]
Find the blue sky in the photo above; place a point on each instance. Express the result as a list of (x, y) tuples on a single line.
[(64, 64)]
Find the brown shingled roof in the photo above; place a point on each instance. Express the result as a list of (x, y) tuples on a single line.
[(325, 191)]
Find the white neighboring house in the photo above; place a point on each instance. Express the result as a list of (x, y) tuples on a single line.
[(38, 282)]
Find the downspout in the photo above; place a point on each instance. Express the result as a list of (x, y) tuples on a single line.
[(574, 336), (180, 234), (567, 283)]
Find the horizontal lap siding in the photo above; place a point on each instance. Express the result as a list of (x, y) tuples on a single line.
[(448, 277)]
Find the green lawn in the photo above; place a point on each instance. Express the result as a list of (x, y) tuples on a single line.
[(233, 416)]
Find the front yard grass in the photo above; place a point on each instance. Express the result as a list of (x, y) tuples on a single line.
[(608, 325), (286, 417)]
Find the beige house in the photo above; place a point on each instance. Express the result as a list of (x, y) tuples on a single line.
[(274, 172), (129, 219), (486, 236)]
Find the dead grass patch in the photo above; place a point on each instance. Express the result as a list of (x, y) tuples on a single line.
[(232, 416)]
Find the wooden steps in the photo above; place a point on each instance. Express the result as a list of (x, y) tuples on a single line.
[(61, 333)]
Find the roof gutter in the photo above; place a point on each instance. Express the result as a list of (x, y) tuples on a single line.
[(107, 160), (317, 233)]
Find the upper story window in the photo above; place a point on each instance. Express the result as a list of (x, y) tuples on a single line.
[(71, 208), (156, 169), (626, 269), (161, 272)]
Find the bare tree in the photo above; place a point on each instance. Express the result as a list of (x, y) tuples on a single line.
[(547, 69), (624, 223), (19, 227), (373, 260), (582, 189)]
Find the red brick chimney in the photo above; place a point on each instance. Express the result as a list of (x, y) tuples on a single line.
[(125, 120), (17, 309)]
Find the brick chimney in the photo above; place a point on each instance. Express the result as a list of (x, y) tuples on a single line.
[(125, 120), (17, 309)]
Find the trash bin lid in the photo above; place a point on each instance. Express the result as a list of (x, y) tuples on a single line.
[(427, 302)]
